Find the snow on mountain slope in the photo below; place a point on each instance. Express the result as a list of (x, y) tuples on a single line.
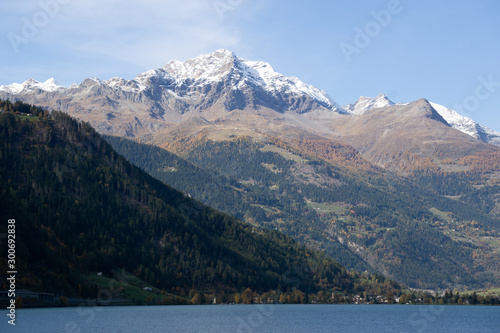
[(210, 86), (367, 103), (263, 74), (453, 118), (467, 125), (30, 85), (219, 81), (197, 73), (217, 66)]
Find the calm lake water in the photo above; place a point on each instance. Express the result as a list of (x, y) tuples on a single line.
[(257, 318)]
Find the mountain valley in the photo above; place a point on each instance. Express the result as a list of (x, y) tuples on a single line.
[(409, 190)]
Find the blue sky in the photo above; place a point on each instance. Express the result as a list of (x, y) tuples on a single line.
[(445, 51)]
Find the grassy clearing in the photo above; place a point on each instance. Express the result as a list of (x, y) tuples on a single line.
[(327, 207), (129, 288), (271, 167), (453, 197), (441, 214), (493, 242), (230, 133), (266, 208), (284, 153), (453, 167), (28, 118), (483, 292)]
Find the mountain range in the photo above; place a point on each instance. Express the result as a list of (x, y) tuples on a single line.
[(225, 91), (373, 184), (220, 79)]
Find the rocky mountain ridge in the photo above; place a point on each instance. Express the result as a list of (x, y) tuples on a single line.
[(220, 91)]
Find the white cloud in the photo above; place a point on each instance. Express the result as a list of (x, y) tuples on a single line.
[(144, 33), (82, 38)]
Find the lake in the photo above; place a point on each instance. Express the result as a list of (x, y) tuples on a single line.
[(257, 318)]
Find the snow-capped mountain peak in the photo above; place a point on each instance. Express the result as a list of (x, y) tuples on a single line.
[(263, 74), (31, 84), (367, 103), (217, 74), (221, 64), (453, 118), (50, 85), (210, 67), (467, 125)]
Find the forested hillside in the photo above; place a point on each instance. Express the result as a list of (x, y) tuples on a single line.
[(257, 205), (395, 224), (81, 208)]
